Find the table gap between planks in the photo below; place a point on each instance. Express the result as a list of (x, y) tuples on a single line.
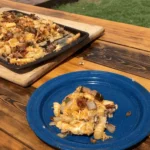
[(123, 47)]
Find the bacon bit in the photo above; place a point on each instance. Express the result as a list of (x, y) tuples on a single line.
[(84, 90), (60, 30), (96, 94), (6, 13), (52, 118), (30, 43), (109, 106), (93, 140), (17, 55), (24, 53), (31, 30), (9, 17), (7, 36), (33, 16), (21, 48), (81, 102), (21, 40), (50, 48), (99, 97), (128, 114)]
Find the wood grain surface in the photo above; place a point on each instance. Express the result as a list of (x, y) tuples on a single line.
[(7, 142), (129, 39), (15, 133), (119, 33), (129, 46), (13, 101), (121, 57), (79, 64)]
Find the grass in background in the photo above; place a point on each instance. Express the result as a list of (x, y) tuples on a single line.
[(135, 12)]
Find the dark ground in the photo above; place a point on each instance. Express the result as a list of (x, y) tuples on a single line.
[(55, 3)]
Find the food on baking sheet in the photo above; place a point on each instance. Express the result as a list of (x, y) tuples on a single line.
[(84, 112), (25, 38)]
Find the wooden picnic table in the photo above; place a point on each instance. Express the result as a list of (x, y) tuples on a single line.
[(123, 49)]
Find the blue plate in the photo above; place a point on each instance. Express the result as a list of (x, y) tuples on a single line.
[(128, 94)]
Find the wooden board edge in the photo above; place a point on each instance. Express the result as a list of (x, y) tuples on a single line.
[(97, 31)]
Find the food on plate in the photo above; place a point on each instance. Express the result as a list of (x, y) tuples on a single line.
[(25, 38), (128, 114), (84, 112)]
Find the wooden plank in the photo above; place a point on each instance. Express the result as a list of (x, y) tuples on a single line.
[(130, 39), (17, 108), (13, 101), (119, 33), (13, 91), (28, 76), (119, 57), (21, 132), (7, 142), (22, 135), (79, 64), (143, 145)]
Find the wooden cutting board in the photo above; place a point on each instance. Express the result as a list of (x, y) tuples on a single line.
[(31, 75)]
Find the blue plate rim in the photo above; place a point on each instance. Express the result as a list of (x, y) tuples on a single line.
[(144, 133)]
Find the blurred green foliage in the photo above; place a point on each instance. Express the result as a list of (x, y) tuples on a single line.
[(135, 12)]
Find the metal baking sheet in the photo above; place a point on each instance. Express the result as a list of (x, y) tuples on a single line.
[(17, 68)]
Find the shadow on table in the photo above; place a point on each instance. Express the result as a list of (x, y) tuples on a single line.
[(143, 145), (53, 3)]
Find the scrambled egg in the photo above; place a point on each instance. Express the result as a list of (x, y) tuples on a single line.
[(84, 112)]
